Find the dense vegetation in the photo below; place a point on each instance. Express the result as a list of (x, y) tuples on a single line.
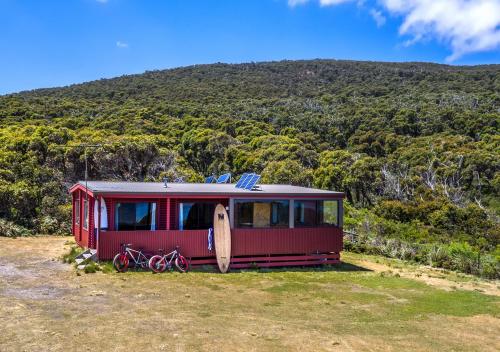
[(414, 146)]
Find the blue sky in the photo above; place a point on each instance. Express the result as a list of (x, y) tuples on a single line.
[(54, 43)]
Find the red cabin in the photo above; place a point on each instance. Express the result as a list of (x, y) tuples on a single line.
[(272, 225)]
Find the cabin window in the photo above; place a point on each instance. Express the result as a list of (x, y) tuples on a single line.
[(86, 213), (196, 216), (135, 216), (261, 214), (311, 213), (77, 210)]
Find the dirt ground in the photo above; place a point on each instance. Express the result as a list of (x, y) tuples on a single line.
[(435, 277), (45, 305)]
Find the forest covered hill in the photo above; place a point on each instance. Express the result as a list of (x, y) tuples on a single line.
[(415, 146)]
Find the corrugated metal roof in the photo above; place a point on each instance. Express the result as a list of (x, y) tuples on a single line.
[(103, 187)]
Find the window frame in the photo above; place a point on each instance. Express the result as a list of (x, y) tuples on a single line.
[(193, 201), (271, 201), (77, 209), (135, 202), (86, 215), (317, 213)]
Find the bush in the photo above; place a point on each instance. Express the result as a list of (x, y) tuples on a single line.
[(49, 225), (91, 267), (72, 254), (407, 252), (489, 267), (463, 258), (9, 229), (439, 257)]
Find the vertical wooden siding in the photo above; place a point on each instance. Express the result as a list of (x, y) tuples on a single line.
[(286, 241), (162, 218), (84, 237), (192, 243), (245, 242)]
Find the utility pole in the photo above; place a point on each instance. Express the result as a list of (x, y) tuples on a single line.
[(85, 146)]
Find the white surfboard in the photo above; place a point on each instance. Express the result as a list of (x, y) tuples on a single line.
[(222, 237)]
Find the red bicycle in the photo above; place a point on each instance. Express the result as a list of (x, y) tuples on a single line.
[(160, 263), (122, 260)]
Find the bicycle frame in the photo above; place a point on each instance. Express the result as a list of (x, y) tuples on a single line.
[(174, 254), (141, 259)]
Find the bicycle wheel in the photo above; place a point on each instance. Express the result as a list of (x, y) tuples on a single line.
[(182, 264), (157, 264), (120, 262)]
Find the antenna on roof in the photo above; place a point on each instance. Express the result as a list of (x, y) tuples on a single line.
[(85, 146)]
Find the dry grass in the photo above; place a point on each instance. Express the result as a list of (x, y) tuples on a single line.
[(444, 279), (46, 306)]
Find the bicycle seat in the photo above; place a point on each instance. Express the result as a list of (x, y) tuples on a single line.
[(161, 250)]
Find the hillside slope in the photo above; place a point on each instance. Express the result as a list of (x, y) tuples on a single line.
[(415, 144)]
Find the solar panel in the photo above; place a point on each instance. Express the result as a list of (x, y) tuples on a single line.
[(224, 178), (246, 180), (249, 180), (179, 179), (210, 179), (250, 184), (241, 180)]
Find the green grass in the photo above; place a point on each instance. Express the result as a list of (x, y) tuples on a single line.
[(345, 307), (70, 256)]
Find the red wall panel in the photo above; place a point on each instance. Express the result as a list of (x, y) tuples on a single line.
[(245, 242)]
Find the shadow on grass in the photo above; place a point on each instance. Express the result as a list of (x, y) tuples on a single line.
[(342, 267)]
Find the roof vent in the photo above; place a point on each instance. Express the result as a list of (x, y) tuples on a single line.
[(165, 182)]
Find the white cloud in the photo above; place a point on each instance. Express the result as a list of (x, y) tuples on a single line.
[(121, 44), (378, 17), (467, 26)]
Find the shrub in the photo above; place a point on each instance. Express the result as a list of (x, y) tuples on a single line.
[(463, 257), (91, 267), (9, 229), (395, 210), (407, 252), (49, 225), (439, 257), (489, 267), (72, 254)]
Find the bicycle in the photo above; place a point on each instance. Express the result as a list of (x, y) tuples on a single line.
[(159, 263), (121, 261)]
